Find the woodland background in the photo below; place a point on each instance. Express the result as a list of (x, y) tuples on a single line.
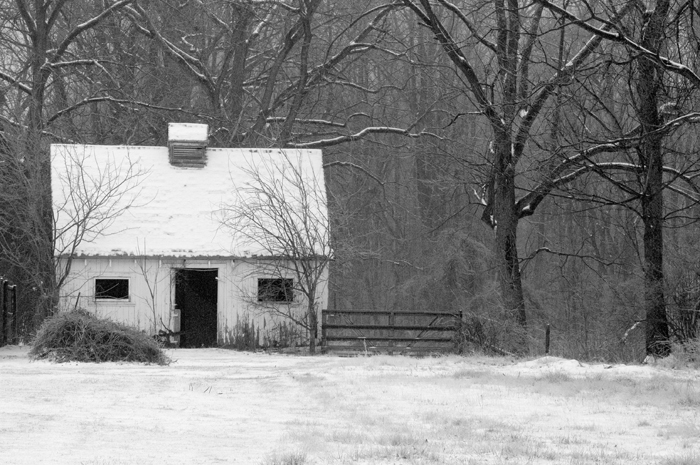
[(525, 162)]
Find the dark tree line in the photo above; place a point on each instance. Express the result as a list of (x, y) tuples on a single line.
[(529, 163)]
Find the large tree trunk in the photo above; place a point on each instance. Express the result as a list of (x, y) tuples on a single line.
[(39, 224), (313, 328), (505, 223), (240, 45), (657, 343), (651, 157)]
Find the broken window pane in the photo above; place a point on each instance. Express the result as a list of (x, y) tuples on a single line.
[(112, 289), (275, 290)]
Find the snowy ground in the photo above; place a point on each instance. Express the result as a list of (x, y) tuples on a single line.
[(217, 406)]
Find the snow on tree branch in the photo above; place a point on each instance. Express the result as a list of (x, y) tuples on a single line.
[(359, 135), (620, 37), (126, 102), (80, 28), (15, 82)]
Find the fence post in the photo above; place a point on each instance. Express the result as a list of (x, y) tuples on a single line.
[(13, 308), (546, 340), (3, 312), (324, 320), (7, 311), (392, 332), (458, 332)]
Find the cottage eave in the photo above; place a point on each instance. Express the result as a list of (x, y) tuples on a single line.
[(115, 256)]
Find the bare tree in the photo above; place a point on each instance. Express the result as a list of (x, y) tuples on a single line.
[(153, 278), (89, 195), (37, 41), (519, 99), (512, 100), (659, 43), (275, 74), (89, 200), (280, 216)]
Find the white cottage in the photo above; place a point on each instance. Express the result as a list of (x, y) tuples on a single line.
[(139, 239)]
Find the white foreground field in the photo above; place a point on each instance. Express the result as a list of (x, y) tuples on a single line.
[(215, 406)]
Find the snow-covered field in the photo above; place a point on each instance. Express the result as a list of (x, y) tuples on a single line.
[(217, 406)]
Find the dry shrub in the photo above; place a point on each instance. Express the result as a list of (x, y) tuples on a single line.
[(479, 334), (289, 458), (79, 336), (687, 353)]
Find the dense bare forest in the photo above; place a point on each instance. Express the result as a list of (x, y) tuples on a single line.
[(527, 163)]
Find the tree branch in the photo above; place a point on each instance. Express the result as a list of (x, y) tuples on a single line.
[(358, 135), (15, 83), (88, 101), (430, 19), (562, 76), (80, 28), (619, 37)]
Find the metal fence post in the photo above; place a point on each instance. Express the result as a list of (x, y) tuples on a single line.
[(546, 340)]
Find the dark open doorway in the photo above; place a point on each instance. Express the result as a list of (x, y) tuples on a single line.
[(195, 296)]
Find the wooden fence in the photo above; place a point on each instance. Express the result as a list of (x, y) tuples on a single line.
[(388, 331), (8, 312)]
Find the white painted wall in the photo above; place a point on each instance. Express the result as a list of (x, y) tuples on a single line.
[(151, 291)]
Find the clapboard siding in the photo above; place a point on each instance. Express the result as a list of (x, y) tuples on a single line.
[(240, 320)]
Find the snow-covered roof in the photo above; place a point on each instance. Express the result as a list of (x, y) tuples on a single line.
[(138, 204)]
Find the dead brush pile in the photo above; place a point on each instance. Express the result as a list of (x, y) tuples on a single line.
[(79, 336)]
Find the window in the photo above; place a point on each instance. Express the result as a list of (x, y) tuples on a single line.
[(275, 290), (111, 289)]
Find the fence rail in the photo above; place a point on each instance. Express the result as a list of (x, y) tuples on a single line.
[(8, 312), (388, 331)]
